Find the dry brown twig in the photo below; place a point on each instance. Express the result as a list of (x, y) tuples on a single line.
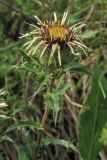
[(102, 155), (45, 115), (89, 13), (72, 102)]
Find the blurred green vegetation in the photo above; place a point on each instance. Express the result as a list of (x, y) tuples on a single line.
[(22, 136)]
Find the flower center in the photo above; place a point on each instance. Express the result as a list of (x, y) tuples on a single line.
[(57, 31)]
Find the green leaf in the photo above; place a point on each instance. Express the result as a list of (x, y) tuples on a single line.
[(104, 136), (22, 154), (55, 141), (53, 99), (1, 157), (93, 117), (41, 81), (74, 67), (77, 68), (23, 123), (30, 61), (5, 138), (10, 46)]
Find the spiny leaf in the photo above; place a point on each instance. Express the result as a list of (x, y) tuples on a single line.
[(74, 67), (55, 141), (41, 81), (28, 58), (25, 123), (53, 99)]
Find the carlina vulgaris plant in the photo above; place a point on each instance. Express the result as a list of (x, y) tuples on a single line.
[(52, 35)]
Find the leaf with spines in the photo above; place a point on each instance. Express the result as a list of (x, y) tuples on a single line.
[(53, 99), (25, 123), (56, 141), (42, 80)]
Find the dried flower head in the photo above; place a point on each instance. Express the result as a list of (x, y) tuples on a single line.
[(52, 34)]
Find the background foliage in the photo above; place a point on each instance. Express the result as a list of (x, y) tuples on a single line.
[(48, 119)]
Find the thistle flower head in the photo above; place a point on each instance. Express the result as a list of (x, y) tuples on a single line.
[(52, 34)]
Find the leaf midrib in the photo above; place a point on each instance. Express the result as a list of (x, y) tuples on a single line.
[(93, 129)]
